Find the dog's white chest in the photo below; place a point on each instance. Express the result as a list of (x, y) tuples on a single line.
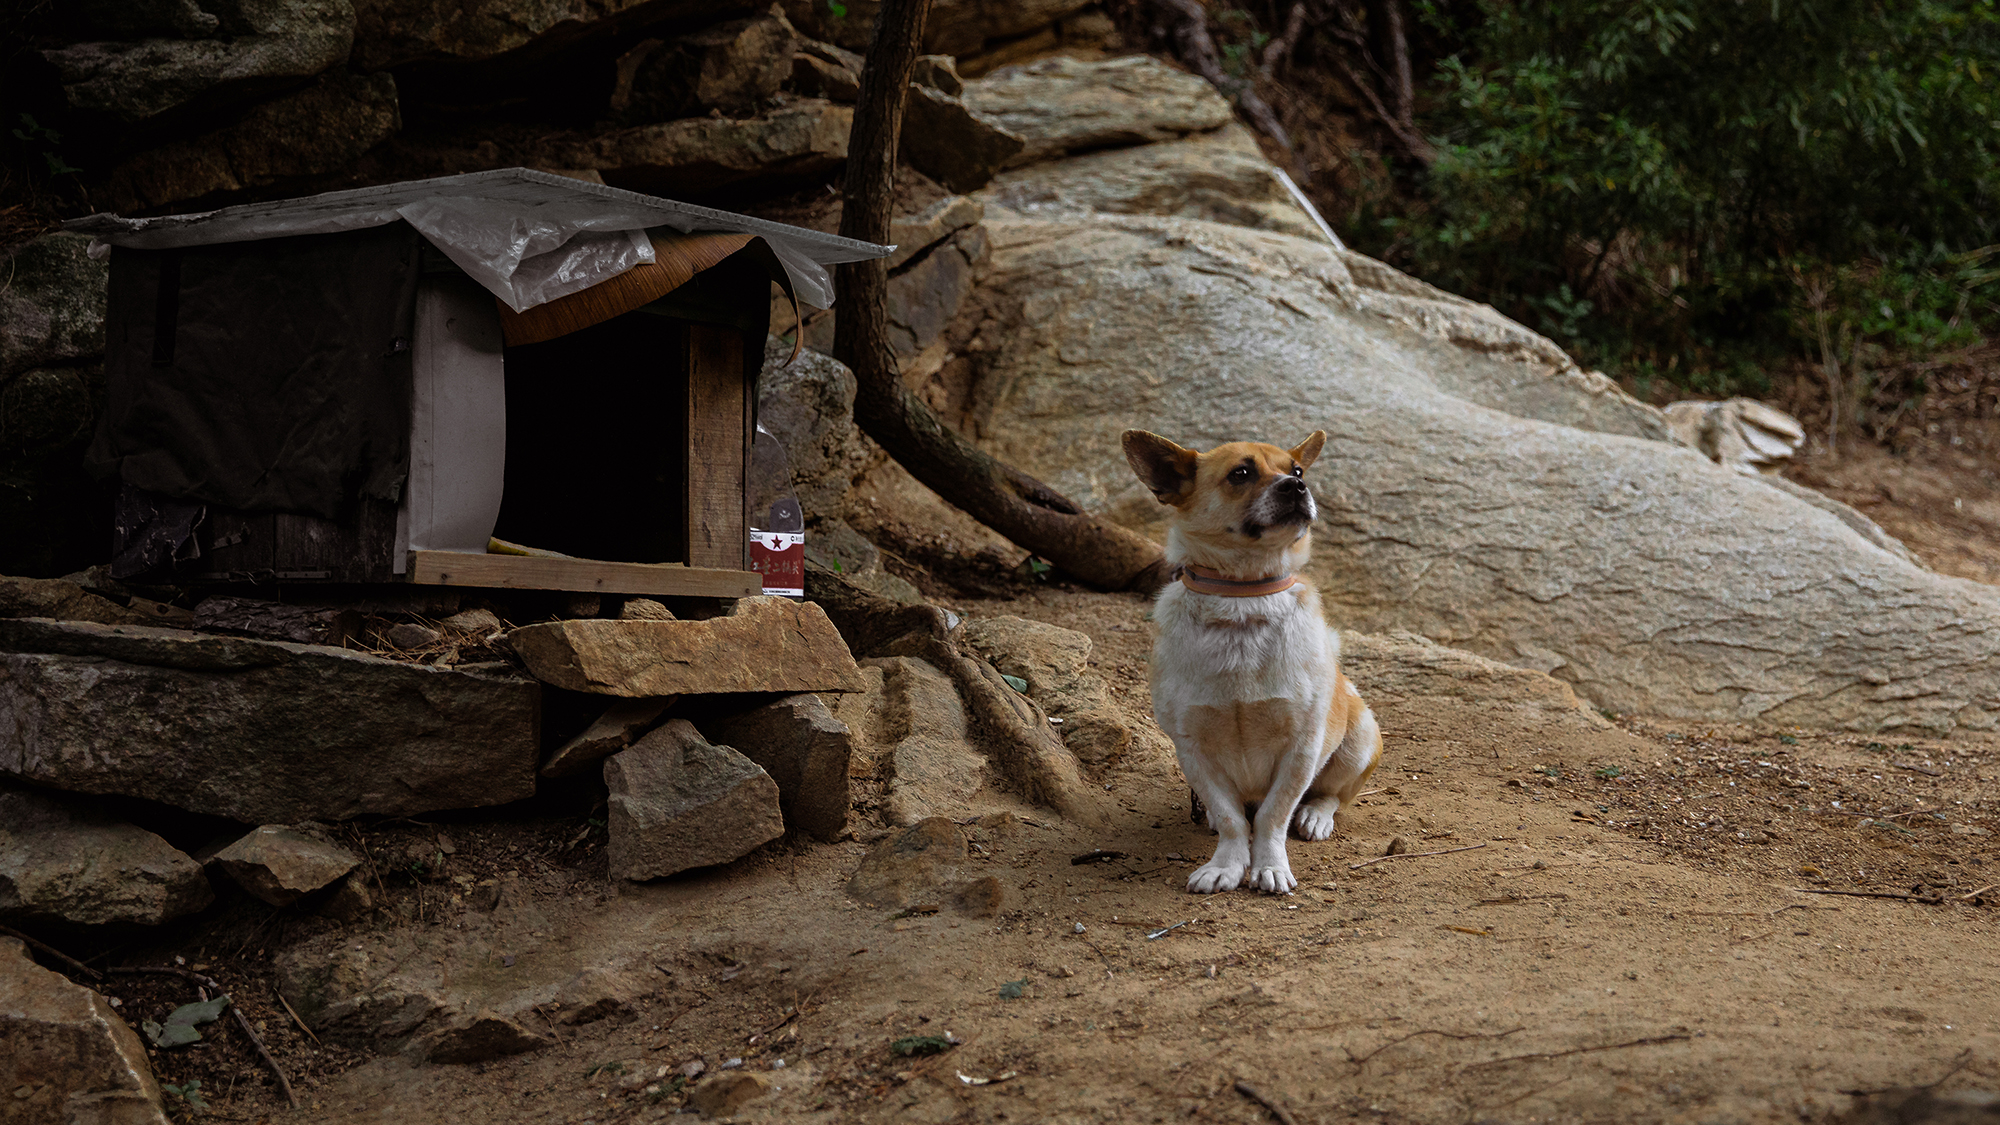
[(1226, 652)]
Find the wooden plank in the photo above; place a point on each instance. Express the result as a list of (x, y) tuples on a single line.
[(716, 440), (354, 549), (235, 542), (516, 572)]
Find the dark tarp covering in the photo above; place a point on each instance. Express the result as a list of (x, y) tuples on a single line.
[(263, 376)]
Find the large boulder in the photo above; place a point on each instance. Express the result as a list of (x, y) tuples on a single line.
[(733, 66), (256, 45), (69, 1059), (320, 128), (394, 33), (1060, 105), (805, 750), (1477, 487), (702, 156), (257, 731), (62, 861), (52, 309), (955, 27), (764, 644), (1221, 176)]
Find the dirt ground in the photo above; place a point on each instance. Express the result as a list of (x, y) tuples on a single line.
[(1616, 921)]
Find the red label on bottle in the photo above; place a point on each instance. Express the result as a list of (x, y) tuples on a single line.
[(780, 556)]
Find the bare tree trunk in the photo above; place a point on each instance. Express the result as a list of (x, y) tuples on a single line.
[(1391, 48), (1197, 49), (998, 495)]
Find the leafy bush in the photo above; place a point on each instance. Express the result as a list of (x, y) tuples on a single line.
[(1695, 189)]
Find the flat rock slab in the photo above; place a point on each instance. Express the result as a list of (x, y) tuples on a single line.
[(280, 864), (805, 750), (68, 1057), (620, 725), (765, 644), (258, 731), (1063, 105), (678, 802), (63, 862)]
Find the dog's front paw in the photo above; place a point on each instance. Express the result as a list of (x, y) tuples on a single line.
[(1216, 875), (1274, 879)]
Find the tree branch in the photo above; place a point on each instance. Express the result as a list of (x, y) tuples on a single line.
[(1197, 49), (996, 494)]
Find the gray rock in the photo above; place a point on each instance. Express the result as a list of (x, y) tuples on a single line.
[(63, 600), (258, 731), (813, 76), (502, 32), (940, 73), (948, 141), (1220, 176), (1460, 496), (281, 864), (705, 155), (321, 128), (410, 635), (1740, 434), (808, 405), (679, 802), (1399, 667), (69, 1059), (46, 410), (52, 308), (1055, 662), (733, 66), (1060, 105), (805, 750), (914, 733), (763, 644), (266, 43), (914, 234), (928, 293), (62, 861), (614, 730)]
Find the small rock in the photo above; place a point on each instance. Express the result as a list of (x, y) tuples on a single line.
[(410, 635), (981, 898), (678, 802), (940, 73), (69, 1058), (724, 1094), (910, 864), (62, 861), (815, 77), (602, 992), (1059, 105), (645, 609), (352, 901), (765, 644), (478, 622), (482, 1037), (947, 140), (582, 605), (805, 750), (693, 1068), (613, 731), (1397, 846), (280, 864), (732, 66), (62, 600)]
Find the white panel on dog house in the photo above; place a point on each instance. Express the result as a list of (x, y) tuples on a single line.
[(458, 422)]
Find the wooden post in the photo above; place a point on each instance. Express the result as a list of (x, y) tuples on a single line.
[(717, 444)]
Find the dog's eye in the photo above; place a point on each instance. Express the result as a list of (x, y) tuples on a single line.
[(1239, 474), (1298, 471)]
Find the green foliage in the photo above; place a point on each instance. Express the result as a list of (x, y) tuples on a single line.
[(45, 139), (1690, 189), (187, 1093), (178, 1030), (917, 1046)]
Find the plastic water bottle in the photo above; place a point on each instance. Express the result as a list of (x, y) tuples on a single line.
[(777, 522)]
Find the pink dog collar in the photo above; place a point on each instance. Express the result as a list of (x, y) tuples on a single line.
[(1202, 580)]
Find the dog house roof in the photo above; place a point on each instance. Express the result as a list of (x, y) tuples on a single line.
[(527, 236)]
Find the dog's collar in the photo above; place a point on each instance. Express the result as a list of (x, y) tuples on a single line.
[(1202, 580)]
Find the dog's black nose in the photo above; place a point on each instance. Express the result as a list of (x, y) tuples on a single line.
[(1291, 486)]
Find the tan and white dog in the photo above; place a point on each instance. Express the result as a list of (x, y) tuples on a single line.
[(1246, 673)]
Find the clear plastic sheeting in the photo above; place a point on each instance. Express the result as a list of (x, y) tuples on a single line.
[(526, 258), (528, 237)]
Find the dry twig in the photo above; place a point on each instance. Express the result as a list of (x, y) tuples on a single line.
[(1278, 1111), (1413, 855), (1580, 1050), (242, 1021), (1902, 896), (53, 952), (295, 1018), (1358, 1060), (1980, 891)]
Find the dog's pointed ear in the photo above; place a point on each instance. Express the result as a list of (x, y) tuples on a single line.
[(1307, 451), (1162, 466)]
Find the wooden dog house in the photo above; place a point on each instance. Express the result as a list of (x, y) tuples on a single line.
[(364, 386)]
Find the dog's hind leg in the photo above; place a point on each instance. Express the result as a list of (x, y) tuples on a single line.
[(1340, 780)]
